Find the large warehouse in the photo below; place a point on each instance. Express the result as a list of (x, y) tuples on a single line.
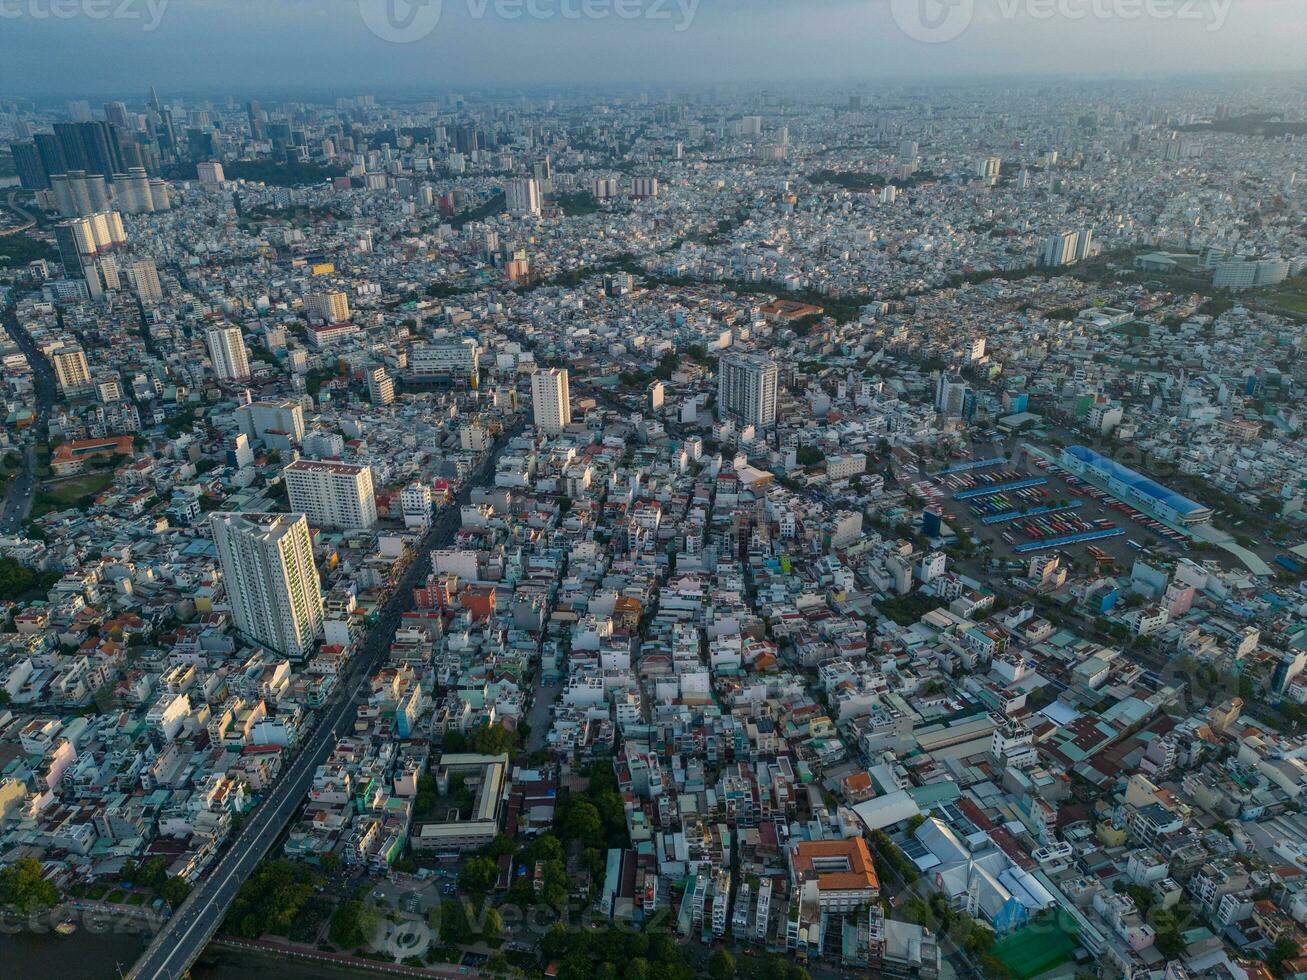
[(1135, 488)]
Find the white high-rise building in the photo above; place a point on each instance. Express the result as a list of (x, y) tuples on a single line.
[(71, 371), (415, 502), (331, 494), (381, 388), (272, 582), (522, 195), (1060, 249), (227, 351), (551, 403), (144, 276), (747, 389)]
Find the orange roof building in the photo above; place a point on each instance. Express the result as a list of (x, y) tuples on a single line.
[(842, 871)]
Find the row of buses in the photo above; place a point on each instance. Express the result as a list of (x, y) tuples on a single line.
[(1140, 518)]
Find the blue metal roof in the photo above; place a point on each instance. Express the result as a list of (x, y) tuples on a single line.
[(1136, 481)]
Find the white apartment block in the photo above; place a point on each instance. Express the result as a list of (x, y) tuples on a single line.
[(551, 403), (271, 579), (227, 352), (331, 494)]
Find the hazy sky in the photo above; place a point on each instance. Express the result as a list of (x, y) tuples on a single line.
[(325, 46)]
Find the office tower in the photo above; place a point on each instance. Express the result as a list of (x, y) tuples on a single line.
[(258, 131), (381, 389), (71, 371), (51, 152), (951, 395), (1060, 249), (31, 171), (331, 494), (551, 403), (79, 110), (96, 147), (227, 352), (465, 139), (331, 306), (144, 277), (272, 582), (210, 173), (116, 114), (747, 389), (908, 151), (522, 196)]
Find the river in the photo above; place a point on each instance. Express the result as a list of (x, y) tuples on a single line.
[(100, 956)]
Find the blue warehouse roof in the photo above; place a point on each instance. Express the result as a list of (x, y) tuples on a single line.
[(1110, 467)]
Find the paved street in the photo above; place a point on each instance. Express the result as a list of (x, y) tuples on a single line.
[(178, 944), (20, 490)]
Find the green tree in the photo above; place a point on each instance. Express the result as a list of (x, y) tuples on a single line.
[(721, 965), (352, 924), (23, 889), (478, 875), (174, 891), (582, 821), (454, 926)]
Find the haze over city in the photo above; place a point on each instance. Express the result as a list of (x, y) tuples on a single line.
[(653, 489)]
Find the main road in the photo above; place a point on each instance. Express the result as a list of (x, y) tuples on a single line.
[(177, 945), (18, 493)]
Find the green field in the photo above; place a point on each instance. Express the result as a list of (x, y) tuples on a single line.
[(1031, 951), (75, 488)]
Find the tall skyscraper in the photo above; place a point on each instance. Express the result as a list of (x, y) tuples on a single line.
[(551, 402), (83, 242), (31, 171), (522, 196), (227, 351), (747, 389), (1060, 249), (331, 494), (271, 579)]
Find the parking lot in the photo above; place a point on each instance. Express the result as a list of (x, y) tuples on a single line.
[(1036, 508)]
